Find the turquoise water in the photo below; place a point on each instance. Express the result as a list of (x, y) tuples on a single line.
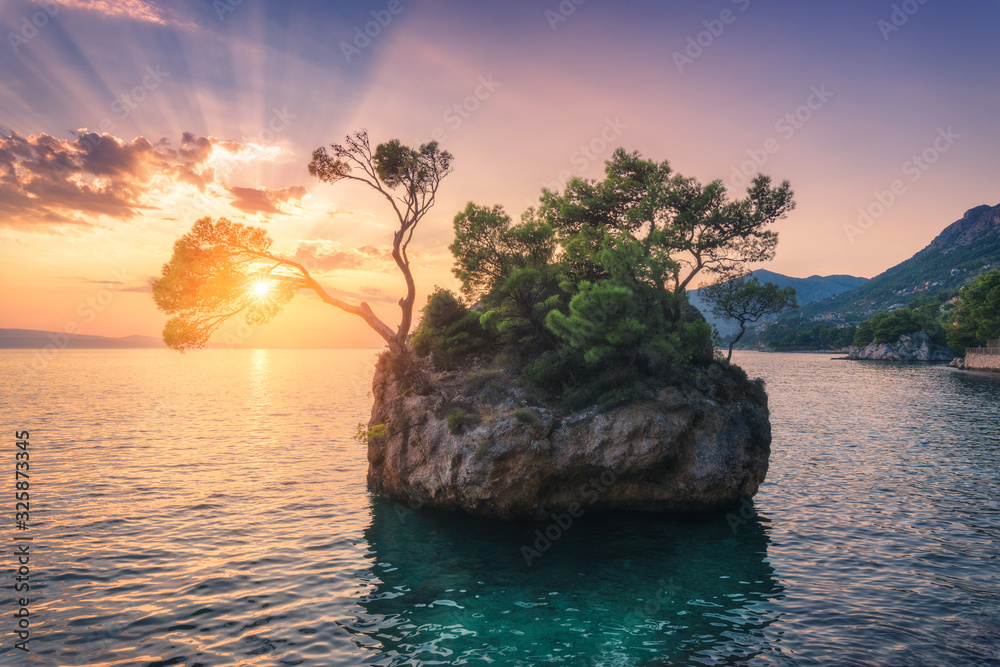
[(210, 509)]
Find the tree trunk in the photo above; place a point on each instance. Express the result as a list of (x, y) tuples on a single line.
[(732, 343), (406, 303)]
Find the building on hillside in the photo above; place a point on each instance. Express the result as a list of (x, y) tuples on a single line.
[(984, 358)]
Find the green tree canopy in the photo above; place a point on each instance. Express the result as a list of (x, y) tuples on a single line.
[(746, 300), (794, 333), (696, 226), (449, 331), (976, 319), (511, 270), (488, 249), (888, 327), (587, 294)]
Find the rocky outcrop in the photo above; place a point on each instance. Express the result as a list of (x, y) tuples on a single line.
[(979, 225), (913, 347), (475, 446), (958, 362)]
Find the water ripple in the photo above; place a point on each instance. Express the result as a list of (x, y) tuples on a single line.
[(211, 509)]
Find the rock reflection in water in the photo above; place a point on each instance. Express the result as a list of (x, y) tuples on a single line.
[(624, 589)]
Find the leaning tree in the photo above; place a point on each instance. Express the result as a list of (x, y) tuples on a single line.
[(221, 269), (746, 300)]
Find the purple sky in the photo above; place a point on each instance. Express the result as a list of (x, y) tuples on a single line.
[(213, 108)]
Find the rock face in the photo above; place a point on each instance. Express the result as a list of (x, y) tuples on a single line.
[(915, 347), (958, 362), (979, 225), (698, 449)]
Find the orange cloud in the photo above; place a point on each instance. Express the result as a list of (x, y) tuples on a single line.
[(268, 201), (46, 182), (136, 10), (323, 256)]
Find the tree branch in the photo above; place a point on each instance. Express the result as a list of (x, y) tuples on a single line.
[(363, 310)]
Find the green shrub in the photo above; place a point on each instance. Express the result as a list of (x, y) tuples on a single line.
[(449, 331), (797, 334), (481, 449), (525, 416), (975, 318), (518, 309), (370, 435), (457, 421), (888, 327), (617, 396), (735, 373), (556, 371), (490, 386), (604, 321)]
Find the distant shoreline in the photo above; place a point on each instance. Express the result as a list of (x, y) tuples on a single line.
[(794, 351), (33, 339)]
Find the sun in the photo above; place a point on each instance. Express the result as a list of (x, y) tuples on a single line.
[(262, 288)]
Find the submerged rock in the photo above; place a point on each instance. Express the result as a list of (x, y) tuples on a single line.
[(913, 347), (483, 451)]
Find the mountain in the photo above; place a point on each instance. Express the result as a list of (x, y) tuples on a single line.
[(812, 288), (33, 339), (964, 250), (807, 290)]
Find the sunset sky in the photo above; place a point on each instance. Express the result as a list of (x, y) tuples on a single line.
[(122, 122)]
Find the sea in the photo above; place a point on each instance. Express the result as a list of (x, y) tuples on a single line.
[(210, 508)]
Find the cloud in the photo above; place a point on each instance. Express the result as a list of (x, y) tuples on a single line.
[(135, 10), (47, 182), (44, 180), (268, 201), (145, 288), (323, 256)]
